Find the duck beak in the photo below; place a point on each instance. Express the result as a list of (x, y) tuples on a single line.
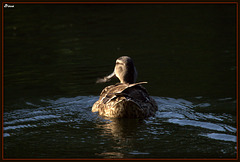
[(106, 78)]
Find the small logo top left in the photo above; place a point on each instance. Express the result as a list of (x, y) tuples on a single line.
[(8, 6)]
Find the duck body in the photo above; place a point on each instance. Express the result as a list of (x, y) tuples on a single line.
[(124, 100)]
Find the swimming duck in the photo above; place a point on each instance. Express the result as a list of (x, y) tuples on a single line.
[(126, 99)]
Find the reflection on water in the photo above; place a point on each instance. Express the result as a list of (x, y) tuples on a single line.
[(71, 120)]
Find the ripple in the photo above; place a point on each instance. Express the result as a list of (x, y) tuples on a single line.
[(194, 123), (169, 115), (170, 103), (204, 105), (221, 136), (138, 153), (225, 99), (18, 127), (6, 135), (36, 118), (61, 111)]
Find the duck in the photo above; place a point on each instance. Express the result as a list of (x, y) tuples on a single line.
[(126, 99)]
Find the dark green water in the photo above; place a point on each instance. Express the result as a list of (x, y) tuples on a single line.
[(54, 53)]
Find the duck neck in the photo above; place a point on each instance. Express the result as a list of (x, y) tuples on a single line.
[(126, 81)]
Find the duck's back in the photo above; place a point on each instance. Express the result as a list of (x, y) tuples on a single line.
[(125, 101)]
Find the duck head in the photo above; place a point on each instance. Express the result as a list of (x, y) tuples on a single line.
[(124, 70)]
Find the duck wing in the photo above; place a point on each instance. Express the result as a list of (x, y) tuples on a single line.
[(131, 91), (109, 92)]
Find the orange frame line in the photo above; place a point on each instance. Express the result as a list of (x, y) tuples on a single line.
[(125, 159), (2, 80), (237, 103), (122, 3)]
